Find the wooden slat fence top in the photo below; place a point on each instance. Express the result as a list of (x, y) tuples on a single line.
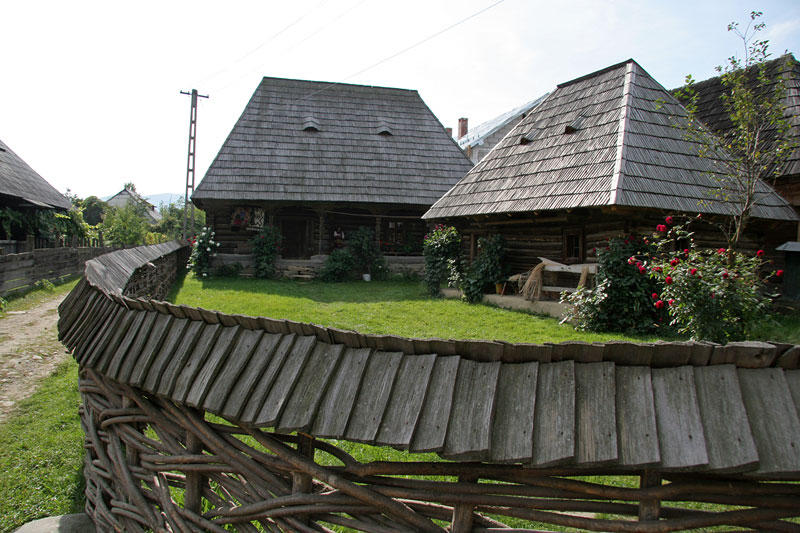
[(628, 149), (729, 410)]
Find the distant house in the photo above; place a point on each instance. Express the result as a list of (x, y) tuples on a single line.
[(711, 111), (128, 195), (602, 155), (24, 190), (477, 142), (314, 158)]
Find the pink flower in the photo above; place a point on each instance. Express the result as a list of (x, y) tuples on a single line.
[(721, 251), (654, 296), (668, 220), (659, 304), (686, 251), (631, 260), (668, 280), (779, 273), (693, 271), (760, 253), (661, 227)]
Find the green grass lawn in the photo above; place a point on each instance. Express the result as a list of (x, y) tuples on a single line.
[(378, 307), (41, 453)]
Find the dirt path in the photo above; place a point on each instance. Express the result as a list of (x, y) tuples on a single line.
[(29, 351)]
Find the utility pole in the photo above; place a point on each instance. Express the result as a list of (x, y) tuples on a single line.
[(190, 162)]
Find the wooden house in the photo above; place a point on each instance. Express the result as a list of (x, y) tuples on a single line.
[(128, 195), (24, 190), (479, 141), (602, 155), (314, 158), (711, 111)]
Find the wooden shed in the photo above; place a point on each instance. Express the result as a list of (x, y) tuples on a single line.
[(603, 155), (313, 157)]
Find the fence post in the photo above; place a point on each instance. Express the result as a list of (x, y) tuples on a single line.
[(650, 508), (462, 512), (192, 499)]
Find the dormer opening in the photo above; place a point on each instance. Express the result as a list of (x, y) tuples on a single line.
[(311, 124), (384, 129)]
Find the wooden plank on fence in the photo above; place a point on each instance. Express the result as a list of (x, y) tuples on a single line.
[(115, 362), (264, 384), (469, 429), (680, 427), (793, 381), (637, 433), (405, 402), (71, 337), (154, 342), (213, 344), (512, 426), (284, 384), (176, 380), (729, 442), (298, 415), (554, 427), (102, 339), (140, 350), (124, 359), (773, 420), (432, 426), (242, 390), (595, 413), (102, 357), (98, 320), (373, 396), (197, 388), (335, 408), (168, 353), (224, 384)]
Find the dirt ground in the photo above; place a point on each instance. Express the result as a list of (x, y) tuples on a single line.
[(29, 351)]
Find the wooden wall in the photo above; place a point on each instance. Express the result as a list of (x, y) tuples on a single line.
[(19, 272)]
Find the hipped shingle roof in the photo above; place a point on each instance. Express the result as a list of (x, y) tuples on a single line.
[(367, 144), (627, 147), (19, 180)]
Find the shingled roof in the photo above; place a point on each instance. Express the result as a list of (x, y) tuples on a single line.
[(478, 134), (711, 111), (323, 142), (19, 180), (613, 137)]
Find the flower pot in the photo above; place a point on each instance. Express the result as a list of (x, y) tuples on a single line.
[(366, 277)]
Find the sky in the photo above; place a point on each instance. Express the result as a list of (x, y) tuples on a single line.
[(90, 91)]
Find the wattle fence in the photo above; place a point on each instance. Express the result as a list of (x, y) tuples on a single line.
[(197, 420)]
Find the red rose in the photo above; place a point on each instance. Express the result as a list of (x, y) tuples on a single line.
[(721, 251), (693, 271), (686, 251), (760, 253), (668, 280), (657, 269), (642, 269), (654, 296), (779, 273), (659, 304), (668, 220), (724, 275), (674, 261), (661, 227), (671, 302)]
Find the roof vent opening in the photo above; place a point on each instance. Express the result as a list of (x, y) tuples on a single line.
[(575, 125), (384, 129), (311, 124), (530, 136)]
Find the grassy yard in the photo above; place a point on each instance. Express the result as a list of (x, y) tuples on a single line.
[(379, 307)]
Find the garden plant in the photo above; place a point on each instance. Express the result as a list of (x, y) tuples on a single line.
[(441, 248), (204, 247), (266, 248)]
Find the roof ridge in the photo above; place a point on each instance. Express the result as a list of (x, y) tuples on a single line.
[(597, 73), (619, 163), (338, 83)]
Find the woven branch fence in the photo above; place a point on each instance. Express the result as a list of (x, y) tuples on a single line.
[(157, 459)]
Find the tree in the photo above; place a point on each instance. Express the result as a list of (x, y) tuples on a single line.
[(171, 223), (755, 148), (125, 225), (93, 210)]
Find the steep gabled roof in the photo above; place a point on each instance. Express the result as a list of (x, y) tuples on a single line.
[(613, 137), (711, 111), (478, 134), (19, 180), (321, 142)]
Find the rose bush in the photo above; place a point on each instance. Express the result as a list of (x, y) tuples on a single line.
[(204, 247), (441, 248), (266, 248)]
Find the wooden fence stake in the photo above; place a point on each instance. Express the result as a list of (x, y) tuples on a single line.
[(649, 509), (462, 512)]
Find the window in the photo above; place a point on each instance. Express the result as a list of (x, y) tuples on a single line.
[(573, 246)]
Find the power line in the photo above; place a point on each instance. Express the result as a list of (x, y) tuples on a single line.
[(404, 50)]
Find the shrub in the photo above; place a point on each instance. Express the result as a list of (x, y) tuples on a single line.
[(441, 248), (44, 285), (3, 304), (622, 299), (203, 249), (486, 269), (338, 266), (367, 256), (266, 247), (716, 295)]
